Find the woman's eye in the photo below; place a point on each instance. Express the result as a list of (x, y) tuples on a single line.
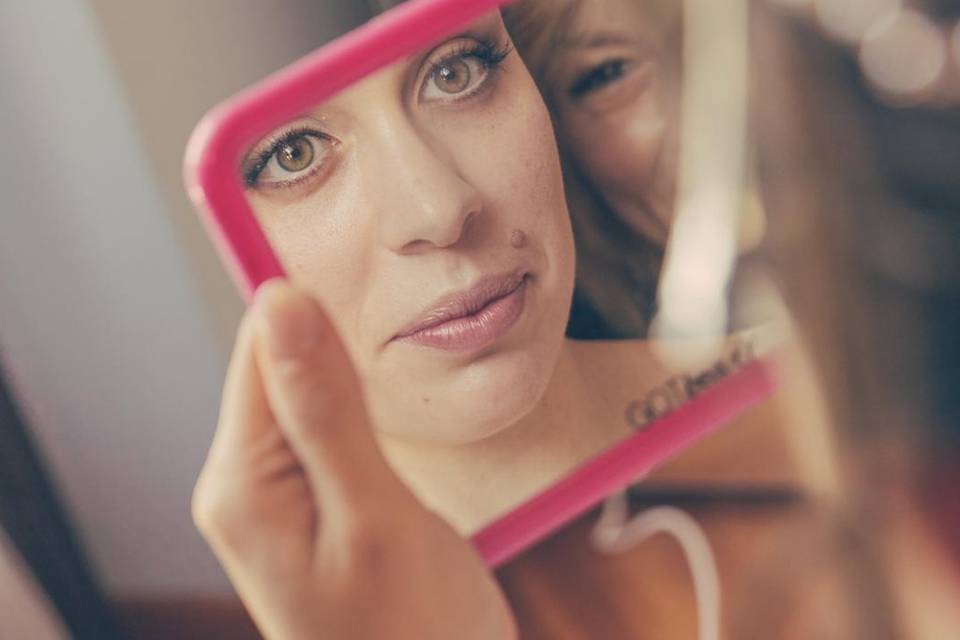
[(455, 77), (295, 158), (295, 155), (599, 77)]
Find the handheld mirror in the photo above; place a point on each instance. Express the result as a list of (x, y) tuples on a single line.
[(483, 201)]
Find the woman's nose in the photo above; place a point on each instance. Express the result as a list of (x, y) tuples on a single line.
[(423, 201)]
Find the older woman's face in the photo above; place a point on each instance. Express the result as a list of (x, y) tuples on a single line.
[(613, 88), (424, 207)]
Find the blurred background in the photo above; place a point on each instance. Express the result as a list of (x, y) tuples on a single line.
[(116, 318)]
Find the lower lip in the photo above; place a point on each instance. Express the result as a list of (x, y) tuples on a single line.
[(476, 331)]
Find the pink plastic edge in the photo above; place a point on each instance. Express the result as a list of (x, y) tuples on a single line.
[(215, 148), (212, 181), (622, 465)]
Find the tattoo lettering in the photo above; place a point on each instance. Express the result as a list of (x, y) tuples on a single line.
[(680, 388)]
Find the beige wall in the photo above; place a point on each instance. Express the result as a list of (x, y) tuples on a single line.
[(116, 317), (178, 58)]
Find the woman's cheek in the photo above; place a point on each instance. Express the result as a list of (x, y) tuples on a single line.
[(521, 169), (546, 204), (626, 159), (526, 181), (325, 245)]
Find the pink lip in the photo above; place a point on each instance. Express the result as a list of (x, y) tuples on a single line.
[(471, 319)]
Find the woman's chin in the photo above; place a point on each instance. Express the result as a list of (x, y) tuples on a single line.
[(472, 405)]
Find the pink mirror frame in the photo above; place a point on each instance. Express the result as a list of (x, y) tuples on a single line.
[(214, 185)]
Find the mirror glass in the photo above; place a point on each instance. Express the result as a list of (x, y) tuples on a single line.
[(486, 223)]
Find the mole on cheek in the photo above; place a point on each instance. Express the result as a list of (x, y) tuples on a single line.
[(518, 239)]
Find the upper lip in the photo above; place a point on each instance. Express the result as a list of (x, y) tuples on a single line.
[(461, 304)]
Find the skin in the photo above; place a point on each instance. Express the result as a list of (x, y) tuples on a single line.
[(346, 446), (314, 530), (408, 211), (628, 107), (296, 460), (326, 441), (403, 209)]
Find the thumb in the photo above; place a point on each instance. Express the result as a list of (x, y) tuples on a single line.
[(316, 398)]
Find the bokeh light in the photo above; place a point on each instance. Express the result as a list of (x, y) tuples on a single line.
[(904, 57), (850, 20)]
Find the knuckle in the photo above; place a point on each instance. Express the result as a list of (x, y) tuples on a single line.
[(216, 512), (204, 507)]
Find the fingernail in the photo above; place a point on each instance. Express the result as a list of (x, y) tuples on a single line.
[(287, 319)]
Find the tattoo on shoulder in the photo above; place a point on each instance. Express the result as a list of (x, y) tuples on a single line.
[(680, 388)]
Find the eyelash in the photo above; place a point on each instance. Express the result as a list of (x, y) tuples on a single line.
[(488, 52), (595, 78), (263, 158)]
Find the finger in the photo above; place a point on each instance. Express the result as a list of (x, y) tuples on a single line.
[(220, 498), (244, 412), (316, 398)]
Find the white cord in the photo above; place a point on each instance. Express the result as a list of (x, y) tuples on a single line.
[(712, 160), (614, 534)]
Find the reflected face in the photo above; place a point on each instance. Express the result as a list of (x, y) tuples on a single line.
[(613, 89), (424, 208)]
